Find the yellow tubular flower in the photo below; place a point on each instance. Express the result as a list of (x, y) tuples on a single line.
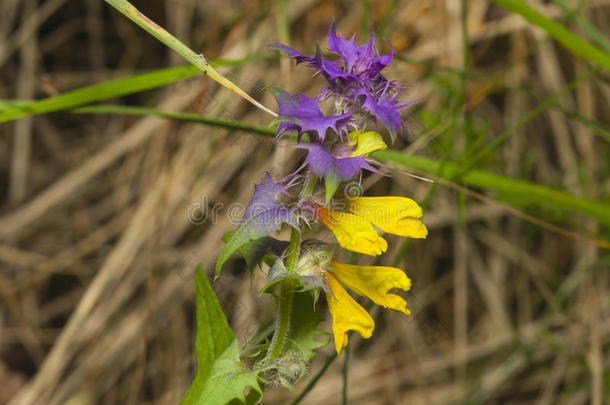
[(366, 142), (374, 282), (396, 215), (347, 314), (352, 231)]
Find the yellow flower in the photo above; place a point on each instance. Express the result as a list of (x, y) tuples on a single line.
[(396, 215), (347, 314), (352, 231), (373, 282), (365, 142)]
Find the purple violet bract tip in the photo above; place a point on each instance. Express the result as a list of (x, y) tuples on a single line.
[(355, 77)]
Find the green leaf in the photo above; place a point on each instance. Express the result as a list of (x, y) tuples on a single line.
[(214, 336), (255, 250), (304, 338), (564, 36), (228, 380), (254, 228)]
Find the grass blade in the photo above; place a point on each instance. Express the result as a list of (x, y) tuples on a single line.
[(571, 41), (526, 193), (197, 60), (188, 117), (96, 92), (13, 109)]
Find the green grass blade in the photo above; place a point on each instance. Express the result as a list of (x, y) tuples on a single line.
[(523, 191), (596, 35), (13, 109), (188, 117), (129, 11), (112, 88), (571, 41)]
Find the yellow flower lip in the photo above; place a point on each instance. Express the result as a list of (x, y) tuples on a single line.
[(395, 215), (347, 314), (365, 142), (352, 231), (373, 282)]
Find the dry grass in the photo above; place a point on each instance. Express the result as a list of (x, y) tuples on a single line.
[(97, 250)]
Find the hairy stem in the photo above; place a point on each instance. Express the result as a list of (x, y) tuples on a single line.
[(282, 323), (285, 300), (293, 250)]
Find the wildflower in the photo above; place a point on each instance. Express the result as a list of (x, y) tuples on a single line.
[(265, 212), (354, 231), (373, 282), (365, 143), (355, 79), (395, 215), (302, 114)]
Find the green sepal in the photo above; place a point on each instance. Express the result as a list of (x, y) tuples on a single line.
[(278, 274), (331, 184)]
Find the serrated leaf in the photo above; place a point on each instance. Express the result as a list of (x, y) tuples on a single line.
[(228, 380), (259, 225), (213, 336), (255, 250), (304, 338)]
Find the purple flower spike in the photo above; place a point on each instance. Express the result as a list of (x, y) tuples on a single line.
[(330, 70), (386, 109), (265, 213), (323, 164), (358, 59), (302, 114)]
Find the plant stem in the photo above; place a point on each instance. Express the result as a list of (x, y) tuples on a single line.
[(308, 185), (285, 300), (293, 250), (282, 323)]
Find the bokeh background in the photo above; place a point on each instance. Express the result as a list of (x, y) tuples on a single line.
[(104, 217)]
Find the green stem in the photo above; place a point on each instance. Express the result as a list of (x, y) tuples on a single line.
[(285, 300), (282, 323), (293, 250), (308, 185)]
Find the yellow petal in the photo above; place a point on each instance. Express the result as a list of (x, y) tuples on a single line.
[(353, 232), (366, 142), (374, 282), (396, 215), (347, 314)]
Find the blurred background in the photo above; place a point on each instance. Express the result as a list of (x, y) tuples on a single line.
[(104, 216)]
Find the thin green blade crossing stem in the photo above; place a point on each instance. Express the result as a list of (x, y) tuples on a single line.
[(129, 11)]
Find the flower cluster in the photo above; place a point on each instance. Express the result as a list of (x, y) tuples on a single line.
[(337, 148)]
